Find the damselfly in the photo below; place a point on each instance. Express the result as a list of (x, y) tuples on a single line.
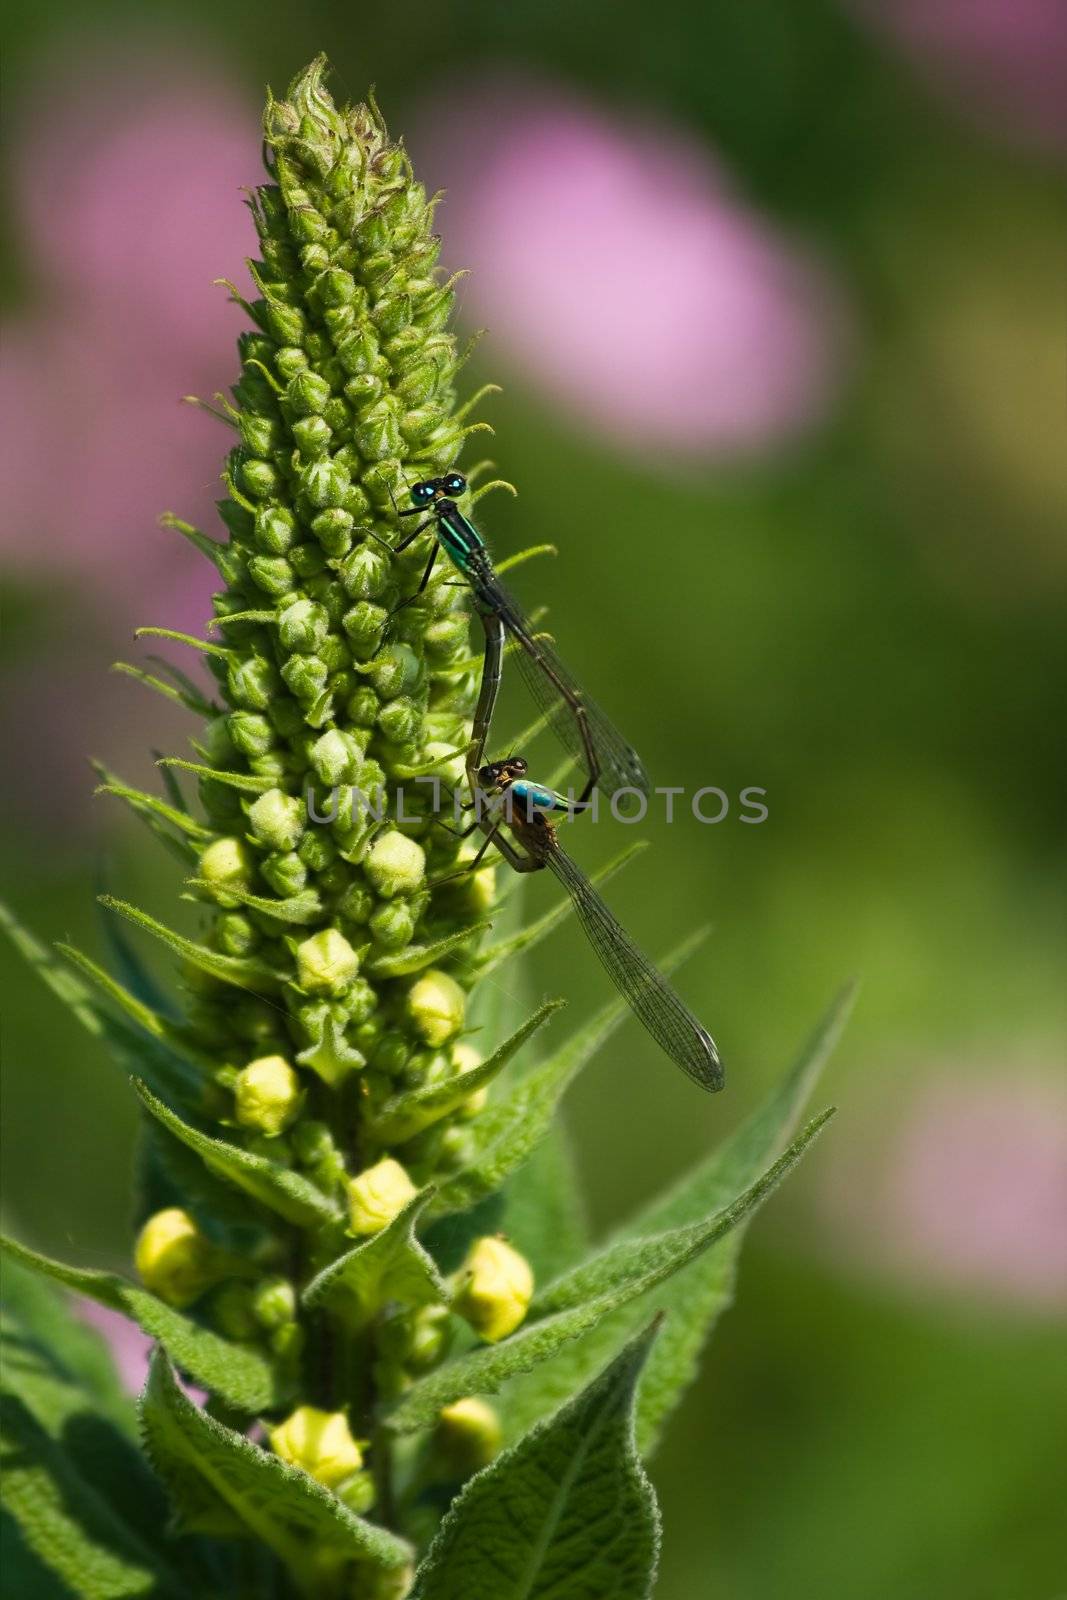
[(506, 799), (578, 722)]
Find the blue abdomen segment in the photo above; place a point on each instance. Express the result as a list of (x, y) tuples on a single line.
[(538, 799), (462, 542)]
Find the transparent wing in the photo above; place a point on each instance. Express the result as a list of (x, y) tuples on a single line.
[(559, 696), (650, 996)]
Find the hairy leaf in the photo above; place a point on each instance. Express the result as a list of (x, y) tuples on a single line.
[(239, 1375), (414, 957), (221, 1481), (586, 1297), (407, 1114), (566, 1514), (390, 1265), (289, 1193), (696, 1298)]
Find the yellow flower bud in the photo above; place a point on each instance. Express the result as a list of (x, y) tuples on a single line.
[(226, 861), (377, 1195), (267, 1095), (395, 864), (469, 1435), (437, 1006), (326, 963), (495, 1288), (320, 1442), (173, 1258), (464, 1059)]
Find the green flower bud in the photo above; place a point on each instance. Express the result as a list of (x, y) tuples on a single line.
[(317, 850), (312, 1142), (396, 670), (174, 1259), (395, 864), (277, 819), (267, 1095), (307, 393), (308, 559), (378, 1195), (358, 1493), (274, 1302), (289, 360), (468, 1435), (364, 624), (392, 925), (364, 573), (319, 1442), (259, 479), (303, 626), (400, 720), (448, 637), (356, 904), (428, 1338), (216, 742), (285, 873), (235, 935), (226, 861), (362, 707), (437, 1006), (275, 529), (336, 288), (325, 483), (259, 435), (305, 676), (326, 963), (312, 436), (252, 683), (334, 758), (273, 574), (251, 733), (333, 530), (495, 1289), (286, 717), (231, 1311)]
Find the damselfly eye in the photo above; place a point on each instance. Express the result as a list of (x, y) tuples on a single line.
[(421, 493), (455, 484)]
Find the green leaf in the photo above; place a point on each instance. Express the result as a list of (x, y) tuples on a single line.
[(391, 1265), (222, 1481), (566, 1514), (510, 1129), (76, 1485), (289, 1193), (243, 971), (186, 696), (544, 1215), (237, 1374), (71, 1523), (696, 1298), (585, 1297), (140, 800), (303, 908), (247, 782), (414, 957), (533, 933), (151, 1021), (136, 1049), (407, 1114)]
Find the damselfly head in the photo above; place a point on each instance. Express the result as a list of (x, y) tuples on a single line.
[(431, 489), (423, 493), (454, 483), (499, 774)]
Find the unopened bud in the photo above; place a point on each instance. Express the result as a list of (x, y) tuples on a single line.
[(469, 1435), (437, 1007), (395, 864), (320, 1442), (267, 1095), (274, 1303), (173, 1258), (495, 1289), (378, 1195), (226, 861), (303, 626), (277, 819), (326, 963)]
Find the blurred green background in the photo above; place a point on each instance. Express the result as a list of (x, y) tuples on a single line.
[(861, 611)]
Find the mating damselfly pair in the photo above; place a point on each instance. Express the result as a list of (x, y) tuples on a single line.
[(518, 816)]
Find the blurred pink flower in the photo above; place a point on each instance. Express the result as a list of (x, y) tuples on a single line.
[(613, 263), (970, 1193), (126, 182), (130, 1348), (1003, 61)]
